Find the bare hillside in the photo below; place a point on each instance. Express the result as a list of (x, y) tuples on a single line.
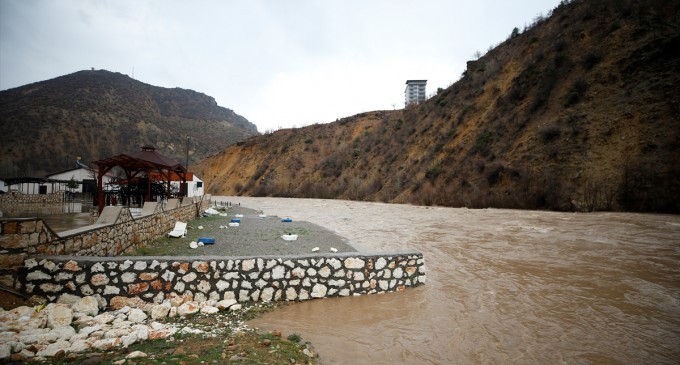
[(580, 111), (95, 114)]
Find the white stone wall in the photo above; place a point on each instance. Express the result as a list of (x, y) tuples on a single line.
[(23, 237), (201, 279), (15, 199)]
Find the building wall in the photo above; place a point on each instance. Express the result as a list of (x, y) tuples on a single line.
[(78, 175), (415, 91), (75, 174), (193, 187)]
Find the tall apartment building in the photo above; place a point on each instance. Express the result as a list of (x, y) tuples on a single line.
[(415, 91)]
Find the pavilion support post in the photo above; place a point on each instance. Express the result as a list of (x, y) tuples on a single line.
[(100, 188), (148, 188)]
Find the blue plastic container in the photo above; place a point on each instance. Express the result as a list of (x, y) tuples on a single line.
[(286, 220), (207, 240), (235, 220)]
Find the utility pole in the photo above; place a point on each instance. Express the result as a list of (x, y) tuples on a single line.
[(188, 139), (186, 183)]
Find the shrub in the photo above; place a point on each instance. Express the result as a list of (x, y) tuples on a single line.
[(495, 175), (294, 338), (433, 172), (483, 140), (576, 92), (590, 60), (615, 26), (549, 133)]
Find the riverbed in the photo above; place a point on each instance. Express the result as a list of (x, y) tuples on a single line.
[(503, 286)]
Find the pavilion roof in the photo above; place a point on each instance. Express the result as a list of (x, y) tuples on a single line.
[(146, 159)]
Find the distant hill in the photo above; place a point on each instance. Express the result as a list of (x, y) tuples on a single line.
[(44, 126), (579, 111)]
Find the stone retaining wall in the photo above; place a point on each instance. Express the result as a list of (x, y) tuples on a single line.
[(115, 231), (269, 278), (13, 199)]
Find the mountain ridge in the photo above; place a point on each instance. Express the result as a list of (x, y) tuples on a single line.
[(95, 114), (580, 111)]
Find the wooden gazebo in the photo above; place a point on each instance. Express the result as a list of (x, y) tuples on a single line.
[(145, 162)]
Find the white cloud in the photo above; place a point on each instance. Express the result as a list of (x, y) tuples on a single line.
[(276, 63), (338, 89)]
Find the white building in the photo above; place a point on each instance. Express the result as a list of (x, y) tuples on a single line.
[(59, 181), (86, 180), (194, 185), (415, 91)]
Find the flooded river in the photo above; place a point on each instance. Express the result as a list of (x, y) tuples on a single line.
[(58, 217), (503, 286)]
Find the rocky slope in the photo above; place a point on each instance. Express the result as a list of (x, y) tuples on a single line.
[(579, 111), (92, 114), (77, 325)]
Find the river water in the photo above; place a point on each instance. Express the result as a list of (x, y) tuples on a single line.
[(503, 287), (57, 216)]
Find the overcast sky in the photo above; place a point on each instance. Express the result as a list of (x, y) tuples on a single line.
[(277, 63)]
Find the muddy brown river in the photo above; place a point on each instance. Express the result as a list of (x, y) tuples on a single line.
[(503, 287), (58, 217)]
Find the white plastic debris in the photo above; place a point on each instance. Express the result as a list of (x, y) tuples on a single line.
[(315, 249), (193, 244), (333, 249), (200, 227), (234, 224), (290, 237), (211, 211)]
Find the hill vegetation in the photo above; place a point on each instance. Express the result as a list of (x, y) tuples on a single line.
[(578, 111), (92, 114)]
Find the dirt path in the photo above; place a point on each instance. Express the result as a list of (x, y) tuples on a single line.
[(256, 235)]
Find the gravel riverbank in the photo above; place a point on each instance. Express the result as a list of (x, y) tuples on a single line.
[(256, 235)]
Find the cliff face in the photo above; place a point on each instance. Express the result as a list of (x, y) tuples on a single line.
[(580, 111), (44, 126)]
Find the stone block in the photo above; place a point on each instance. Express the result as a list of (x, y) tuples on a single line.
[(10, 227), (26, 227), (11, 261), (14, 241)]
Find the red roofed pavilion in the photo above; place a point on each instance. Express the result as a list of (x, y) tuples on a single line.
[(146, 162)]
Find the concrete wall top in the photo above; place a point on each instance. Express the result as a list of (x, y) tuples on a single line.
[(109, 215), (171, 204), (149, 208), (216, 258)]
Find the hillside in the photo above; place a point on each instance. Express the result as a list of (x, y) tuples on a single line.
[(580, 111), (92, 114)]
